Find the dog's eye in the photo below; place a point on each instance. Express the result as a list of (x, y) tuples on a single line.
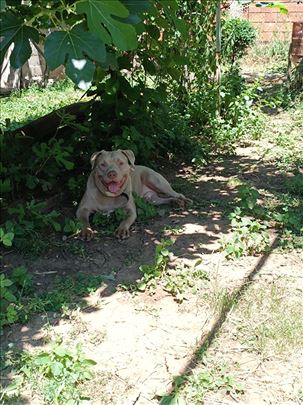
[(102, 165), (121, 163)]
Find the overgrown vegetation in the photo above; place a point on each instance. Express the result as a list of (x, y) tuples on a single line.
[(157, 99)]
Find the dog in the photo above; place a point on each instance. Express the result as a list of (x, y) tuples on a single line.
[(113, 179)]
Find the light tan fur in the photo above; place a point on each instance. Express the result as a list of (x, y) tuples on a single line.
[(113, 179)]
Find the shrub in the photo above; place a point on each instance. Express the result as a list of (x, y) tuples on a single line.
[(237, 36)]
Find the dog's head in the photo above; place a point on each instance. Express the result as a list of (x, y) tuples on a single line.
[(112, 170)]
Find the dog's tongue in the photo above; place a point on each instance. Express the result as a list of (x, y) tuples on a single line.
[(113, 187)]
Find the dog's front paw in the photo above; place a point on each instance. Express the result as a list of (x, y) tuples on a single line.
[(87, 233), (122, 232)]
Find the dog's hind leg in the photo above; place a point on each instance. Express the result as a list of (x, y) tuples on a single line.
[(163, 191)]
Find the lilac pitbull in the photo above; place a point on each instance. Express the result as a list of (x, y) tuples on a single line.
[(110, 185)]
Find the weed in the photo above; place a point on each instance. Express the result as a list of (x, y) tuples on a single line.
[(71, 226), (266, 57), (145, 210), (172, 230), (75, 247), (295, 184), (249, 236), (214, 379), (152, 272), (193, 388), (55, 374), (183, 280), (28, 220), (108, 222), (6, 238), (11, 291), (178, 281), (290, 241), (249, 198)]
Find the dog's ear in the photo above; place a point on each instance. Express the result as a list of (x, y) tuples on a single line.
[(130, 156), (93, 158)]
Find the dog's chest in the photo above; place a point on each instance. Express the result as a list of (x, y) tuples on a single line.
[(111, 204)]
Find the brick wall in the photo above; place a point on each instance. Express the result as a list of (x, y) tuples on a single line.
[(271, 24)]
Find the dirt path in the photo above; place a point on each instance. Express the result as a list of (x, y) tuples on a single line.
[(142, 341)]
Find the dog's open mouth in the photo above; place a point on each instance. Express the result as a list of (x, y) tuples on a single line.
[(115, 186)]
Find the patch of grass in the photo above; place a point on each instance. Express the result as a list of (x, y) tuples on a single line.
[(282, 211), (192, 389), (23, 106), (19, 302), (271, 319), (54, 374), (183, 281), (286, 140), (267, 57)]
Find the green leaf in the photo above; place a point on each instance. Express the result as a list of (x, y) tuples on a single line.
[(2, 5), (134, 7), (71, 48), (5, 282), (7, 239), (13, 30), (19, 273), (117, 32), (269, 4), (89, 362), (11, 314), (57, 368), (61, 351), (170, 6), (181, 26), (42, 359), (8, 296)]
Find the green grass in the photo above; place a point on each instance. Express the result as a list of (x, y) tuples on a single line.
[(267, 57), (272, 319), (284, 134), (23, 106)]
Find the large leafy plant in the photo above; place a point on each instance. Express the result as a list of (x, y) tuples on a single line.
[(82, 35)]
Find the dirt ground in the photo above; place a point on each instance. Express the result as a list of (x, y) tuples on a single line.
[(142, 341)]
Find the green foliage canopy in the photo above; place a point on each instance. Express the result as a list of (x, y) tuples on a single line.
[(81, 35)]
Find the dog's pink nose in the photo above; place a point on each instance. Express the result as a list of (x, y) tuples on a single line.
[(112, 174)]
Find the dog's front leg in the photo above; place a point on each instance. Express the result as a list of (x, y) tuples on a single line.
[(123, 230), (83, 216)]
